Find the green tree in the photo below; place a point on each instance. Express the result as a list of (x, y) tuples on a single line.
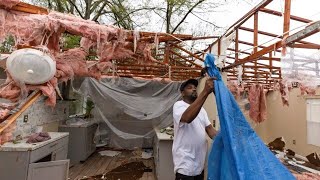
[(7, 44)]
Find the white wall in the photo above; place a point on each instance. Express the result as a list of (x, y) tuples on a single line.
[(288, 122), (41, 115)]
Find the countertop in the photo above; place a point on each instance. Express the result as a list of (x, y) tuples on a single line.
[(163, 136), (23, 146)]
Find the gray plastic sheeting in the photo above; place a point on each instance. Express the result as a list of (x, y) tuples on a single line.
[(132, 108)]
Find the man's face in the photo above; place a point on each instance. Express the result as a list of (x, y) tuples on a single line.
[(190, 92)]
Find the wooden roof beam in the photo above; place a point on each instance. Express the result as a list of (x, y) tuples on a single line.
[(251, 44), (271, 34), (277, 13), (156, 72), (307, 31), (188, 52), (157, 66), (286, 17), (232, 77), (242, 52), (28, 8), (244, 18), (261, 58), (184, 58), (255, 56), (305, 46), (253, 72), (250, 66)]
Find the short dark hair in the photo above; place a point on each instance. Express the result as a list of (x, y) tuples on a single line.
[(189, 81)]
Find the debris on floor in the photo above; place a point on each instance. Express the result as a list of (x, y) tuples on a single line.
[(146, 155), (313, 158), (298, 166), (142, 153), (109, 153), (132, 171), (277, 144), (307, 176)]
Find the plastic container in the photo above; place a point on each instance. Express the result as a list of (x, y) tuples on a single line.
[(31, 66)]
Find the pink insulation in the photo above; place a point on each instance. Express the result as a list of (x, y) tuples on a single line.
[(307, 90), (284, 91), (38, 137), (47, 89), (258, 105), (4, 113), (37, 30), (26, 29), (7, 135), (45, 30), (10, 91), (235, 89), (9, 3)]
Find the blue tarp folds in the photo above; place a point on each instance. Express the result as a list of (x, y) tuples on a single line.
[(237, 152)]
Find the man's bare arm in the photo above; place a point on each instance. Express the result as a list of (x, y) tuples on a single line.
[(193, 110), (211, 131)]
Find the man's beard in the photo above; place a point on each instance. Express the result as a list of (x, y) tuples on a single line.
[(192, 97)]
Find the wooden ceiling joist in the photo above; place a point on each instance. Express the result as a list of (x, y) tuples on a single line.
[(28, 8), (277, 13), (184, 58), (308, 31), (255, 56), (242, 20), (251, 44), (261, 58), (188, 52), (270, 34)]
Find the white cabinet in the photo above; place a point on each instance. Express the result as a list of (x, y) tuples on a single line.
[(52, 170), (37, 161), (81, 144), (163, 156)]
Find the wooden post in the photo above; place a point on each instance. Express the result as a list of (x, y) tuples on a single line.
[(286, 22), (255, 40), (219, 47), (255, 33), (166, 54), (270, 64), (237, 46)]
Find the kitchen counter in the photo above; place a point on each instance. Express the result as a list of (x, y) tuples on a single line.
[(24, 146)]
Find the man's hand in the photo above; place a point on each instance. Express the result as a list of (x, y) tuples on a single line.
[(209, 86)]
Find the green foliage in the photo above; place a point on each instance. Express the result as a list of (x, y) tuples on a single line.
[(71, 41), (7, 45)]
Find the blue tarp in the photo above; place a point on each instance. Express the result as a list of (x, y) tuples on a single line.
[(237, 152)]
